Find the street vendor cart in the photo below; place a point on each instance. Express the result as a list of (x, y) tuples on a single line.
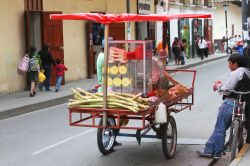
[(137, 92)]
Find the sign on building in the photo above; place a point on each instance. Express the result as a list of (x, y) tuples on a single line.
[(144, 6)]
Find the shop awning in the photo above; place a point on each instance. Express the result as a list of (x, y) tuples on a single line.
[(116, 18)]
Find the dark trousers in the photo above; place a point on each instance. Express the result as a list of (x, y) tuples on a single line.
[(206, 52), (47, 72), (202, 53)]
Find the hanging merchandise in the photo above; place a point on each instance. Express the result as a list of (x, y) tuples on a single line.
[(23, 66)]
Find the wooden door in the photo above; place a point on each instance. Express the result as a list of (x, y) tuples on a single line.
[(117, 31), (90, 51), (52, 34)]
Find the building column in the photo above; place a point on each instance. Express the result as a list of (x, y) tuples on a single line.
[(246, 19)]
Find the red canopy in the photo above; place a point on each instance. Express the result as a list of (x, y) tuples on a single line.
[(115, 18)]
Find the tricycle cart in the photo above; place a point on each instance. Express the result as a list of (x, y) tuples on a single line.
[(142, 121), (129, 66)]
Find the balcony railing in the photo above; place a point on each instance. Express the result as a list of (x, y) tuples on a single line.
[(207, 3)]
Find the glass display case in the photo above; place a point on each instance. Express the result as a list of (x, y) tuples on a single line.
[(130, 66)]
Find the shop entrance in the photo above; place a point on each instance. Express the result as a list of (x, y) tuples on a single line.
[(184, 33), (196, 33), (208, 31), (145, 30), (95, 36)]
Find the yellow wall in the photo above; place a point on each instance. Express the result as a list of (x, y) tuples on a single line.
[(12, 44), (12, 36), (74, 31)]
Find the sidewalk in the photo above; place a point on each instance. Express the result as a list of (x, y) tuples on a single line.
[(20, 103)]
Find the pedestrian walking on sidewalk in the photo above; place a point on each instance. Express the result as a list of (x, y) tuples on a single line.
[(47, 61), (196, 47), (162, 52), (206, 52), (183, 47), (176, 50), (34, 68), (223, 41), (202, 47), (60, 68), (239, 80)]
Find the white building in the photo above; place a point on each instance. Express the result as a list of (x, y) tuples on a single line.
[(234, 21), (186, 28)]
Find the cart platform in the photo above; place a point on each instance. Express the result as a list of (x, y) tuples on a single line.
[(88, 117)]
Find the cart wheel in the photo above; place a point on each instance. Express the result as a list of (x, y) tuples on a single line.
[(169, 138), (106, 137)]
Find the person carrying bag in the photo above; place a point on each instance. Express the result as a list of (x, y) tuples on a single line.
[(34, 69), (23, 65)]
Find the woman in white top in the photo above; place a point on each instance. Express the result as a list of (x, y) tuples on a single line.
[(202, 46)]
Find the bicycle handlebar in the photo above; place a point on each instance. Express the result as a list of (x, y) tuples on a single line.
[(237, 92)]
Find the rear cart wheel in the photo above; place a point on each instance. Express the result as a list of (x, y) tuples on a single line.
[(169, 138), (106, 137)]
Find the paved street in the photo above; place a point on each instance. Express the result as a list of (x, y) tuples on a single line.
[(71, 41), (45, 138)]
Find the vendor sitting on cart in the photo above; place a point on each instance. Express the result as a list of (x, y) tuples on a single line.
[(99, 65)]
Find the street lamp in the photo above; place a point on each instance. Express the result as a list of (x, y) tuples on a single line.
[(225, 6)]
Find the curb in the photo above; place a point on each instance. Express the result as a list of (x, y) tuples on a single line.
[(201, 62), (50, 103), (240, 155), (33, 107)]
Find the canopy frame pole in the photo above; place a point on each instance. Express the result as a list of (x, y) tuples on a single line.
[(105, 75)]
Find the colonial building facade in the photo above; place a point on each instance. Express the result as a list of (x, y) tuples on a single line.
[(26, 23)]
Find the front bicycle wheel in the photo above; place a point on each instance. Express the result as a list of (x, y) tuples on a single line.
[(106, 137), (242, 136), (235, 139)]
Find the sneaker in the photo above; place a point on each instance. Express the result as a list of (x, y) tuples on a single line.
[(48, 90), (57, 90), (117, 143), (202, 154), (227, 147), (216, 157)]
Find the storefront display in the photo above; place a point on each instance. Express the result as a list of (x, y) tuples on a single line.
[(184, 33)]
